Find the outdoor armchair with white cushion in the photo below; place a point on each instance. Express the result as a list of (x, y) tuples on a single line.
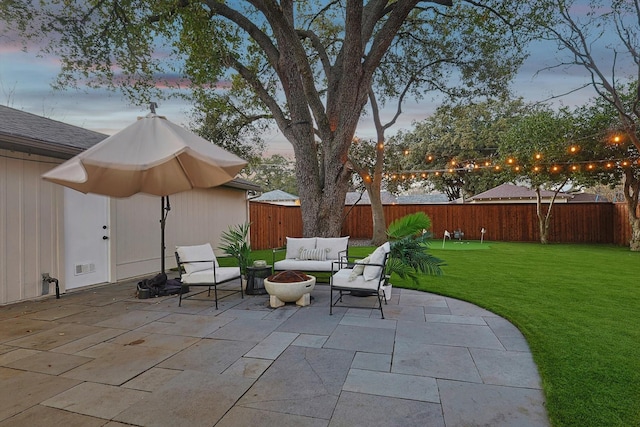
[(364, 277), (199, 267)]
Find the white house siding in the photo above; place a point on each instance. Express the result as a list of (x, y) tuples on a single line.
[(30, 226), (196, 217)]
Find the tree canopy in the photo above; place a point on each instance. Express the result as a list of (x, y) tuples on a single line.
[(309, 66)]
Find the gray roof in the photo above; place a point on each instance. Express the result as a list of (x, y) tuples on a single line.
[(513, 192), (422, 199), (353, 196), (276, 196), (28, 133)]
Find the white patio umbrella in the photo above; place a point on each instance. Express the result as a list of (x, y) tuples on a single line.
[(152, 156)]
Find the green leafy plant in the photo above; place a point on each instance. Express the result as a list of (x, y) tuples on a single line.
[(234, 242), (409, 240)]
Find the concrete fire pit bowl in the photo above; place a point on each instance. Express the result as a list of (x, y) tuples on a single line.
[(291, 290)]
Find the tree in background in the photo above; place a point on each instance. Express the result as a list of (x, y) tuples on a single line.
[(604, 40), (216, 118), (620, 159), (547, 150), (448, 150), (275, 173), (478, 63), (310, 66)]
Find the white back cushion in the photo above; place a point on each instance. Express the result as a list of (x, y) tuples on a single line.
[(334, 244), (377, 257), (294, 244), (197, 253)]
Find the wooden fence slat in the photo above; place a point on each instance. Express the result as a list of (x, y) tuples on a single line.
[(515, 222)]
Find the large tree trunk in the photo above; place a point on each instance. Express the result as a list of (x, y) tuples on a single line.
[(631, 189), (377, 214)]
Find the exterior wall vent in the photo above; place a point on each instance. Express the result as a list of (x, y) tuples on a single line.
[(85, 268)]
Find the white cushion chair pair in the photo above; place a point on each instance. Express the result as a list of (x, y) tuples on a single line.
[(199, 266), (364, 277)]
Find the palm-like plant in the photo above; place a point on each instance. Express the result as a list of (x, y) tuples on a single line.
[(409, 240), (234, 242)]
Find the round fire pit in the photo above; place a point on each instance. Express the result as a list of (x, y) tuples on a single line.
[(289, 286)]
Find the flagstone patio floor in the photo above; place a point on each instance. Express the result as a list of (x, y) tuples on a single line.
[(101, 357)]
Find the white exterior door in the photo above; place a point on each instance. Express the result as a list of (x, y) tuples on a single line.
[(86, 239)]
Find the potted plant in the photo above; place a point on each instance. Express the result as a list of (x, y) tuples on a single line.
[(409, 240), (235, 243)]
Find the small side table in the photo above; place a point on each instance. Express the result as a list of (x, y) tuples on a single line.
[(255, 279)]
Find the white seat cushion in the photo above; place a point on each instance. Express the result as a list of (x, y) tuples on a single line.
[(342, 279), (335, 245), (197, 253), (377, 257), (206, 276), (302, 265), (294, 244)]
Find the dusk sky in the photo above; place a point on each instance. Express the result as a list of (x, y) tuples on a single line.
[(25, 81)]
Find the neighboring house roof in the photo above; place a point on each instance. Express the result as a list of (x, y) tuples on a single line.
[(507, 192), (28, 133), (588, 198), (276, 196), (353, 196), (422, 199)]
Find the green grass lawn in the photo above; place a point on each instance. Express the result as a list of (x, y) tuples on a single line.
[(578, 307)]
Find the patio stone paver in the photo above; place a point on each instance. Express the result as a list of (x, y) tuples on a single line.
[(302, 381), (116, 364), (516, 369), (242, 329), (191, 398), (44, 416), (96, 400), (469, 404), (101, 357), (21, 390), (239, 416), (54, 337), (208, 355), (411, 387), (49, 363), (372, 361), (448, 334), (272, 346), (359, 338), (436, 361), (361, 409)]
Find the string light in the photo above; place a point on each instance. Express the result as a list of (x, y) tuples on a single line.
[(469, 166)]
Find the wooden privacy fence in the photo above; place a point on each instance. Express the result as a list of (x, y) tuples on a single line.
[(570, 223)]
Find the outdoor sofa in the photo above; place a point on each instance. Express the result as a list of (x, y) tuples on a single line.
[(311, 254)]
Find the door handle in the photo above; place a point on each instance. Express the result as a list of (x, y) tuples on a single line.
[(105, 237)]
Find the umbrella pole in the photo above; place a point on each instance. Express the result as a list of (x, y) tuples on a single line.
[(165, 208)]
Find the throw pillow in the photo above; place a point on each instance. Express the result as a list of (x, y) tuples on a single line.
[(358, 269), (377, 257), (313, 254), (294, 244)]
